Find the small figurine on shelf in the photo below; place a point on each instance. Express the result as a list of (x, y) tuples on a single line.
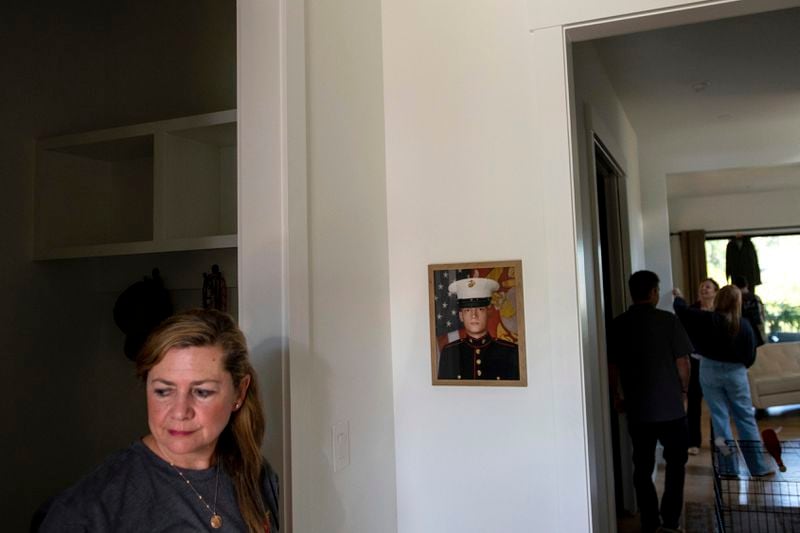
[(215, 290)]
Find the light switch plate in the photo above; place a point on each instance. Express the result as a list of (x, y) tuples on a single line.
[(341, 445)]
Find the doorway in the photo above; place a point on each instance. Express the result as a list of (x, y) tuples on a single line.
[(648, 234), (614, 266)]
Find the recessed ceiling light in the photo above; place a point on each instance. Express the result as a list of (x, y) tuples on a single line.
[(700, 86)]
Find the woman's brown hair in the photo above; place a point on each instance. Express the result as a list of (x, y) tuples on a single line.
[(239, 444), (712, 281), (728, 302)]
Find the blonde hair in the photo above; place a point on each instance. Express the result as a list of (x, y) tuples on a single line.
[(239, 444), (728, 302)]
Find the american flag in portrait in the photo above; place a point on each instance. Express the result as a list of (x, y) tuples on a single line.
[(446, 304)]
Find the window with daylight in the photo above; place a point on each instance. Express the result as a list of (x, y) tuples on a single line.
[(778, 257)]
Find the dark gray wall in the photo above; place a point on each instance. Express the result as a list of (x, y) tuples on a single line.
[(70, 397)]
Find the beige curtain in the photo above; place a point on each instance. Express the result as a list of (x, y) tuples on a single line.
[(693, 261)]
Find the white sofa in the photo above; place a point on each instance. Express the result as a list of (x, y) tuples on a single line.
[(775, 376)]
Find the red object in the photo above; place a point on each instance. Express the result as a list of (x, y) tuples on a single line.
[(773, 446)]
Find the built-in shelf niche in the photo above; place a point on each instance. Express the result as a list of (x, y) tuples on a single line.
[(155, 187)]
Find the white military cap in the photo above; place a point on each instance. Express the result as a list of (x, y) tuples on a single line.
[(474, 292)]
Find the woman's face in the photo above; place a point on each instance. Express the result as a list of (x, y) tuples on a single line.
[(707, 290), (190, 399)]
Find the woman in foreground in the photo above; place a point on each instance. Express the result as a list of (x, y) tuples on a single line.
[(200, 468)]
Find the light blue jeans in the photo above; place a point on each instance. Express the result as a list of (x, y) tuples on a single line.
[(727, 393)]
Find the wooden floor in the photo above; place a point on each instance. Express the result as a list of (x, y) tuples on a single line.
[(699, 473)]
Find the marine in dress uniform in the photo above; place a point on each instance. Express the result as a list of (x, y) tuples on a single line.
[(478, 355)]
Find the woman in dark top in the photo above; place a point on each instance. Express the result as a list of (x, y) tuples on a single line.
[(200, 468), (727, 346), (705, 301)]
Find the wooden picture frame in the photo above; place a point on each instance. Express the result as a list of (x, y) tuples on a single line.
[(489, 348)]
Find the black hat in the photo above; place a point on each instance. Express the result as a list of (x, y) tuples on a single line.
[(139, 309)]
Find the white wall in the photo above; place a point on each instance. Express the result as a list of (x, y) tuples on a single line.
[(544, 13), (344, 373), (628, 16), (655, 222), (740, 198), (262, 235), (470, 142), (595, 95), (677, 268), (768, 209)]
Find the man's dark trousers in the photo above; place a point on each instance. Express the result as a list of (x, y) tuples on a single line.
[(674, 437)]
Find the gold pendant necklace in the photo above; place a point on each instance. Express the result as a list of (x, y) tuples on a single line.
[(216, 520)]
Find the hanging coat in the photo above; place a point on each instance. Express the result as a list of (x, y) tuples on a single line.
[(741, 258)]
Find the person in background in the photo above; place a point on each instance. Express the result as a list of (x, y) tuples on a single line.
[(752, 308), (200, 468), (648, 357), (706, 293), (705, 301), (727, 344)]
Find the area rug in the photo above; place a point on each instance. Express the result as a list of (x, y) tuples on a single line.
[(698, 517)]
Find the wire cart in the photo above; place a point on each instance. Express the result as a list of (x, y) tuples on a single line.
[(747, 504)]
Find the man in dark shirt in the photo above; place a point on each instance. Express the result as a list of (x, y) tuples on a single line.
[(649, 377)]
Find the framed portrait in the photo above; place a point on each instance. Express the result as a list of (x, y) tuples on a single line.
[(477, 324)]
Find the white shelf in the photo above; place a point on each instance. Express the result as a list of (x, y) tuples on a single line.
[(142, 247), (156, 187)]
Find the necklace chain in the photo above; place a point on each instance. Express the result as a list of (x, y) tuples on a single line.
[(216, 520)]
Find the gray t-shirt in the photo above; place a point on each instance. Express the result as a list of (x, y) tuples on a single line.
[(134, 490)]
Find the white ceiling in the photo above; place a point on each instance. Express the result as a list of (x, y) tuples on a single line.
[(745, 112)]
